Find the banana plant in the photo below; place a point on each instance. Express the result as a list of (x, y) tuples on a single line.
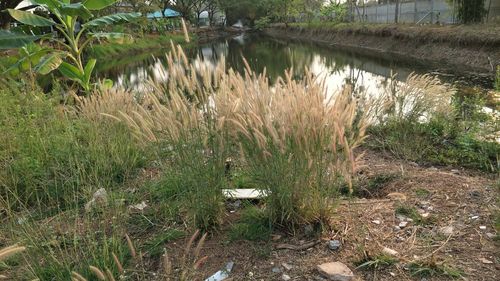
[(67, 56)]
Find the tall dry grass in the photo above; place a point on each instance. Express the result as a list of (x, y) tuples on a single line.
[(297, 143)]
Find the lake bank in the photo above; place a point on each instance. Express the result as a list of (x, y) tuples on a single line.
[(467, 48)]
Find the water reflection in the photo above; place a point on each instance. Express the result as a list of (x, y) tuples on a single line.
[(337, 67)]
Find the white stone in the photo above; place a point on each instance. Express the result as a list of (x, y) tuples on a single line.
[(403, 224), (286, 277), (482, 227), (376, 221), (336, 271)]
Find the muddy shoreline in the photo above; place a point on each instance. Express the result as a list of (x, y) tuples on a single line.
[(475, 59)]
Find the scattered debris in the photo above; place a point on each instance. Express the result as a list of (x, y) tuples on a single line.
[(334, 244), (140, 207), (389, 251), (305, 246), (244, 193), (222, 274), (490, 235), (276, 269), (275, 237), (99, 199), (336, 271), (446, 230), (286, 266), (474, 217), (397, 196), (485, 261)]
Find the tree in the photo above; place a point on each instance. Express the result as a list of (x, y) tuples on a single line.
[(5, 18), (471, 11)]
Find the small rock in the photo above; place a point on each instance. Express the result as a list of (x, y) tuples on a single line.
[(456, 172), (485, 261), (425, 215), (482, 227), (446, 230), (490, 235), (376, 221), (140, 207), (401, 217), (275, 237), (474, 217), (389, 251), (432, 169), (308, 230), (286, 277), (403, 224), (392, 274), (397, 196), (276, 270), (397, 228), (286, 266), (336, 271), (334, 244)]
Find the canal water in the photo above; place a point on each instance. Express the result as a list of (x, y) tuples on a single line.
[(337, 67)]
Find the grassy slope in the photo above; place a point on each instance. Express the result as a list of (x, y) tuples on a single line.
[(457, 34)]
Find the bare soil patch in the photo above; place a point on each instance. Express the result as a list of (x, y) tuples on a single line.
[(465, 200)]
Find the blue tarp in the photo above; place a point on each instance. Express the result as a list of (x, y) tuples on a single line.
[(168, 13)]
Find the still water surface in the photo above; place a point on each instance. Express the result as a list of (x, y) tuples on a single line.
[(367, 73)]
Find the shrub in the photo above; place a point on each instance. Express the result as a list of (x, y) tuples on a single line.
[(55, 157), (297, 144), (420, 120)]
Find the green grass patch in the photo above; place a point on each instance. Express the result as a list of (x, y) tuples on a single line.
[(254, 225), (377, 262), (155, 246), (432, 269)]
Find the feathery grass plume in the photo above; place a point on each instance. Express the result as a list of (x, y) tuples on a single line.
[(100, 275), (131, 246), (419, 96), (77, 276), (167, 265), (110, 275), (118, 264), (185, 31), (297, 143), (200, 244), (105, 102), (10, 251)]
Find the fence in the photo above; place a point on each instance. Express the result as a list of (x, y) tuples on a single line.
[(416, 11)]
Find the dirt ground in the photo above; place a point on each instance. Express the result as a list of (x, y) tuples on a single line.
[(465, 200)]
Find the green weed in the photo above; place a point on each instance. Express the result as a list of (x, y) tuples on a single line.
[(254, 225), (431, 269), (377, 262)]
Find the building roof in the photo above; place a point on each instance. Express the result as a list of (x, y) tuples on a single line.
[(167, 13)]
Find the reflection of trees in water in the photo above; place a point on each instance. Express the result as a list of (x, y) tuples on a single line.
[(275, 56)]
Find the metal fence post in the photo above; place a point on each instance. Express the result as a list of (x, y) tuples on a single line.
[(387, 15), (415, 12), (432, 11)]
